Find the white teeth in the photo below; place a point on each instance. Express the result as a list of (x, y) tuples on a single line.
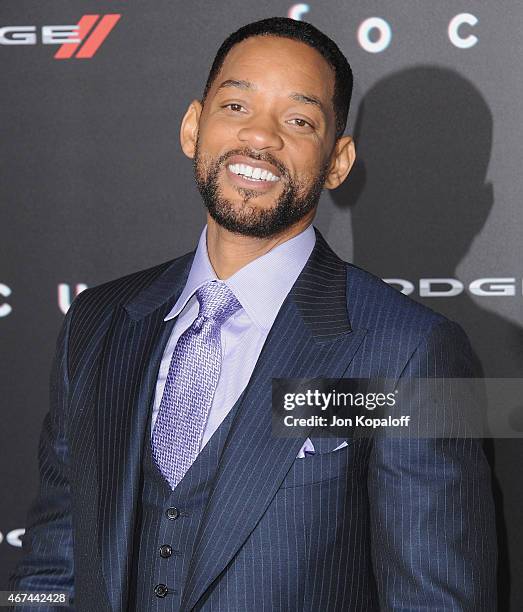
[(254, 174)]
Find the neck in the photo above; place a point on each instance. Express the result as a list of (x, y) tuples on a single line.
[(229, 252)]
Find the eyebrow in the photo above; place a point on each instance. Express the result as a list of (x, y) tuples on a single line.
[(307, 99), (240, 84), (297, 97)]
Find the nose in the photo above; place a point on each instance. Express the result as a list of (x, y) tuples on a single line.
[(261, 134)]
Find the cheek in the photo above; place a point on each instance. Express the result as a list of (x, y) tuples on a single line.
[(309, 169), (305, 157), (217, 137)]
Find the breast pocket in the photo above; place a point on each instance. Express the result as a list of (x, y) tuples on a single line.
[(319, 467)]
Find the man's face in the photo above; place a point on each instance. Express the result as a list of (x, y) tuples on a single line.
[(265, 136)]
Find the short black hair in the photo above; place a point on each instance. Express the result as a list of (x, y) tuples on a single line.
[(301, 31)]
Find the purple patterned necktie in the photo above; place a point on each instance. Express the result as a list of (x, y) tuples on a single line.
[(189, 389)]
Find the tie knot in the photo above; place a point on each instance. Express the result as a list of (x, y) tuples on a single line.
[(217, 302)]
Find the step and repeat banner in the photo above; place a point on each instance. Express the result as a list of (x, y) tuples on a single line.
[(93, 184)]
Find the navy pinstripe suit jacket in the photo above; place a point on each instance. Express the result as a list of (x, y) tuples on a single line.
[(391, 524)]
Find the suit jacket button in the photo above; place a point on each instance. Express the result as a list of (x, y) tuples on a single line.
[(160, 590), (165, 551), (172, 513)]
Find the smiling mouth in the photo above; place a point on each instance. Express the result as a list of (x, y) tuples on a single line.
[(253, 173)]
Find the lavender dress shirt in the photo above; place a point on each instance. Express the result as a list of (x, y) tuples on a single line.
[(261, 288)]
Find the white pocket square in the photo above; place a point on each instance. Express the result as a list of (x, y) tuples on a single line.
[(308, 449)]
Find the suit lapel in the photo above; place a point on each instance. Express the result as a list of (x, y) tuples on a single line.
[(311, 337), (131, 357)]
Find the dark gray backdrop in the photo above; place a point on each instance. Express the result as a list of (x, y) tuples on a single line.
[(93, 185)]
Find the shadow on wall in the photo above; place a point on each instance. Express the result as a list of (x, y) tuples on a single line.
[(418, 197)]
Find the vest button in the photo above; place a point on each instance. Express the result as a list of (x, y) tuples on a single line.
[(166, 551), (172, 513), (160, 590)]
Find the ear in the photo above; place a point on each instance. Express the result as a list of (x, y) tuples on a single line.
[(189, 128), (342, 160)]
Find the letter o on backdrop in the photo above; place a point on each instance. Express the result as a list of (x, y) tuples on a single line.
[(385, 34)]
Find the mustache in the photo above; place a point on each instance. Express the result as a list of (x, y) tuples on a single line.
[(256, 156)]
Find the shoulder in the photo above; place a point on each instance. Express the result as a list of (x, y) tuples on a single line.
[(397, 323), (100, 301), (91, 314), (373, 302)]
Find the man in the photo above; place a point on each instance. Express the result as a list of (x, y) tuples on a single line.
[(162, 485)]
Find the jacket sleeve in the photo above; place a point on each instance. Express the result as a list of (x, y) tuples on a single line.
[(431, 506), (47, 565)]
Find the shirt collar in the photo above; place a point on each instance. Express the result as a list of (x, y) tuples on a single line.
[(262, 285)]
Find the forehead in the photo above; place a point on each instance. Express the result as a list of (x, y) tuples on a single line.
[(284, 63)]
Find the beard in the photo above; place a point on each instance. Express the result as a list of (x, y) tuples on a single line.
[(296, 200)]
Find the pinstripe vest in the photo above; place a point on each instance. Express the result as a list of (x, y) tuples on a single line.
[(169, 524)]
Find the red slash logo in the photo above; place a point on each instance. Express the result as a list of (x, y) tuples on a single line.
[(89, 37)]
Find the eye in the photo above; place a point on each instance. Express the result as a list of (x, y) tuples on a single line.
[(234, 106), (301, 122)]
